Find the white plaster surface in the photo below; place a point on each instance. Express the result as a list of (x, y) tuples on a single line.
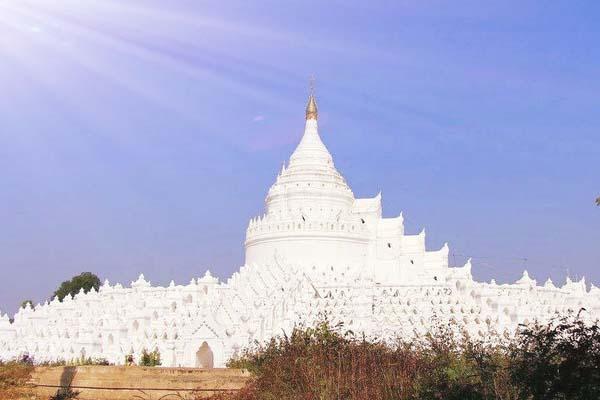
[(315, 250)]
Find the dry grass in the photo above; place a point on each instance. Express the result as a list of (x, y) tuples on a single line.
[(557, 361), (323, 363), (13, 381)]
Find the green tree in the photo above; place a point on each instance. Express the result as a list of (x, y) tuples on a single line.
[(85, 281), (25, 302)]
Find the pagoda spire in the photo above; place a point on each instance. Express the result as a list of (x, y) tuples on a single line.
[(311, 107)]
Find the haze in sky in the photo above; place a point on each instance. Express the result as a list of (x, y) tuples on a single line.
[(141, 136)]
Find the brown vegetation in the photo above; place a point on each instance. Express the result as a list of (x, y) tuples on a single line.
[(13, 380), (558, 361)]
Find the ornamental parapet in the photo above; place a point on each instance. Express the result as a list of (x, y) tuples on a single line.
[(262, 229)]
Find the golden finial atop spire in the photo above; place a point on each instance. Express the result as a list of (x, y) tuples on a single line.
[(311, 107)]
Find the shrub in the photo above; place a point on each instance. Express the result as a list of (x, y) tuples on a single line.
[(89, 361), (65, 394), (150, 359), (560, 360), (324, 363), (75, 362), (129, 359)]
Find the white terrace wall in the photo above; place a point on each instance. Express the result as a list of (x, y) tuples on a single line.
[(315, 251)]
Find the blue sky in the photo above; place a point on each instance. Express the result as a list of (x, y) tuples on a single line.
[(141, 136)]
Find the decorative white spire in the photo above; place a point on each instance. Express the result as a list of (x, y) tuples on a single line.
[(311, 150), (208, 278), (141, 282), (549, 284), (526, 280), (467, 265), (310, 175)]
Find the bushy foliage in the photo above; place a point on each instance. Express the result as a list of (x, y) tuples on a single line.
[(81, 361), (150, 359), (85, 281), (90, 361), (454, 369), (322, 362), (75, 362), (557, 361)]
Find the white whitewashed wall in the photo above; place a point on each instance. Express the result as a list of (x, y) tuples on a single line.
[(315, 251)]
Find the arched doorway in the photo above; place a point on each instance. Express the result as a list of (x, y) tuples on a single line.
[(204, 357)]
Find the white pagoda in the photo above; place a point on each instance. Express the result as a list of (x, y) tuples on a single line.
[(317, 250)]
